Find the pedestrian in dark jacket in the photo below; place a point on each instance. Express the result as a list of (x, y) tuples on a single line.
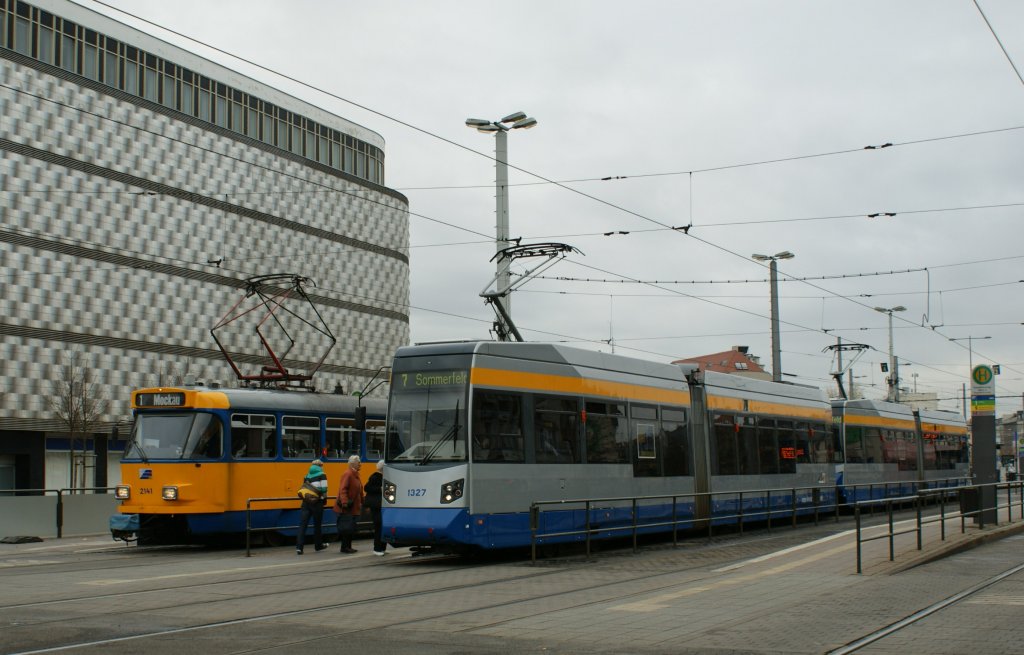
[(349, 503), (313, 507), (375, 500)]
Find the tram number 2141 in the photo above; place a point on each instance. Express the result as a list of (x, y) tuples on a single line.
[(417, 492)]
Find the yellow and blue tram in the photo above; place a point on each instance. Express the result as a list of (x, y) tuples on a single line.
[(197, 454)]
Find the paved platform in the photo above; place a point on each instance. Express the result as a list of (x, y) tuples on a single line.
[(784, 591)]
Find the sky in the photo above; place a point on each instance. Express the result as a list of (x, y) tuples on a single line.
[(748, 121)]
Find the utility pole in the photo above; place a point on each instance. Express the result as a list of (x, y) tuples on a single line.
[(500, 129), (774, 279), (893, 377)]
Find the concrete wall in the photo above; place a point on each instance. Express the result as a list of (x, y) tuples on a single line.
[(36, 516)]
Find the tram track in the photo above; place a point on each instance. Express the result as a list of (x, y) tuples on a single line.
[(516, 590), (207, 585), (254, 575), (444, 590), (911, 619)]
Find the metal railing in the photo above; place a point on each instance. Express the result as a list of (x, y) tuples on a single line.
[(248, 519), (766, 505), (968, 495), (360, 524), (60, 493), (774, 503)]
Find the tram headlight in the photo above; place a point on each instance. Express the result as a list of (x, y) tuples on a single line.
[(451, 491), (122, 492), (390, 492), (170, 493)]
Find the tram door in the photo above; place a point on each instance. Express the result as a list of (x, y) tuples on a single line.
[(700, 437)]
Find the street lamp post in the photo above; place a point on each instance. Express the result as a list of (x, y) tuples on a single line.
[(773, 270), (970, 349), (500, 129), (893, 376)]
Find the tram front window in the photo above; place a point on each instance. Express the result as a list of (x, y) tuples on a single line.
[(427, 418), (176, 436)]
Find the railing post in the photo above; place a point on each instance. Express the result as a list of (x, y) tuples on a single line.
[(963, 520), (942, 515), (248, 526), (634, 525), (740, 512), (835, 501), (587, 526), (711, 511), (980, 512), (892, 537), (856, 518), (917, 506), (60, 513), (675, 522), (768, 501), (534, 511), (1009, 503), (793, 505)]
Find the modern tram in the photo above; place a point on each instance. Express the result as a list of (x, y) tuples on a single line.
[(890, 449), (197, 454), (477, 431)]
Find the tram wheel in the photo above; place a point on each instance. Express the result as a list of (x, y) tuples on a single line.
[(274, 539)]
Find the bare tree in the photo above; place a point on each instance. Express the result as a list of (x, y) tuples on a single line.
[(78, 403), (171, 374)]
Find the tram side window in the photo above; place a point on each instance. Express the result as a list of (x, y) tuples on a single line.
[(300, 437), (873, 446), (767, 447), (802, 434), (676, 441), (907, 451), (253, 436), (645, 428), (928, 446), (556, 431), (855, 444), (747, 445), (607, 433), (726, 461), (821, 444), (498, 427), (786, 445), (375, 431), (342, 439)]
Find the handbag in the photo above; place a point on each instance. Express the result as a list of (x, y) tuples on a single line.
[(308, 491)]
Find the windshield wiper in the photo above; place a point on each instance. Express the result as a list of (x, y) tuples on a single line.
[(142, 453), (450, 434)]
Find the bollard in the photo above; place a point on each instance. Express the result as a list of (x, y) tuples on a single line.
[(60, 513)]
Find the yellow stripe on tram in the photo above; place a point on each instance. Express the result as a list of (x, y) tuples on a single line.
[(543, 382)]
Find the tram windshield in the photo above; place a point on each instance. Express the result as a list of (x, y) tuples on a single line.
[(427, 417), (175, 436)]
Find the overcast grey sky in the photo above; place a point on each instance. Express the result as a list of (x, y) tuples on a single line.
[(695, 102)]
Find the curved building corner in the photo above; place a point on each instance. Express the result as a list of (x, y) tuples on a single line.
[(143, 184)]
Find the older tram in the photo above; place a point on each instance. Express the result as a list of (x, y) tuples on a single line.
[(197, 454)]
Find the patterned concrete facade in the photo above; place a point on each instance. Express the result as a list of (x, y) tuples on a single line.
[(127, 230)]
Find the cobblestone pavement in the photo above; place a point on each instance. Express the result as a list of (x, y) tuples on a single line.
[(784, 591)]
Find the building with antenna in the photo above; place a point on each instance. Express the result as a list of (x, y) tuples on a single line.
[(143, 184)]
